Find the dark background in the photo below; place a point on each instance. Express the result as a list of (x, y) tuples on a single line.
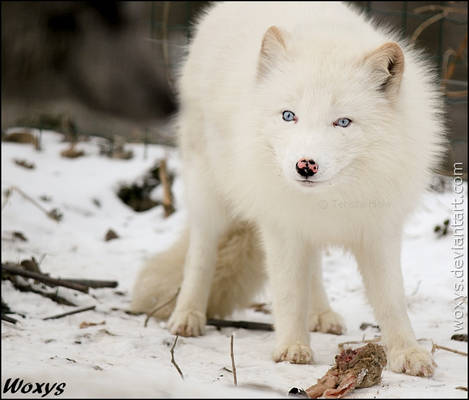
[(150, 37)]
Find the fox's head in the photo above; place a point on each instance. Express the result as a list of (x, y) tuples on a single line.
[(323, 107)]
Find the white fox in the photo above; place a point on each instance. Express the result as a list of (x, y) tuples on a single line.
[(302, 125)]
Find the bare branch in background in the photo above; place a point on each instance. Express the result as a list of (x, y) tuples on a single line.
[(164, 33), (448, 71), (425, 24), (436, 7)]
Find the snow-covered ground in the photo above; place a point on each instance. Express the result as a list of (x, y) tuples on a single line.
[(122, 358)]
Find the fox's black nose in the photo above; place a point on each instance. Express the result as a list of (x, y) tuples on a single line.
[(306, 168)]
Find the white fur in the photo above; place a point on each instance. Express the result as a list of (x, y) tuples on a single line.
[(239, 160)]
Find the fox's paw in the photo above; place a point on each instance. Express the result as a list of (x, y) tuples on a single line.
[(295, 353), (412, 361), (327, 322), (187, 323)]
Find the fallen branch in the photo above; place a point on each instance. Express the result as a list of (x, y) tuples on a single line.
[(80, 310), (233, 366), (14, 270), (9, 319), (173, 361), (159, 307), (52, 296), (93, 283), (256, 326)]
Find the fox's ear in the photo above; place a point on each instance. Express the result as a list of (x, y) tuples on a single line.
[(273, 48), (387, 66)]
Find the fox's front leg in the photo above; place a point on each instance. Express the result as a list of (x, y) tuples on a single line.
[(207, 221), (290, 278), (379, 262)]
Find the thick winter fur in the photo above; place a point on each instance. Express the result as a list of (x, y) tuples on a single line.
[(239, 274), (247, 64)]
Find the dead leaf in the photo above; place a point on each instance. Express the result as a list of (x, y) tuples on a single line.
[(460, 337), (106, 332), (71, 152), (86, 324), (24, 163), (110, 235), (20, 137)]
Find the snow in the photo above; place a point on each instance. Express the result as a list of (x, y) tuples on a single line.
[(122, 358)]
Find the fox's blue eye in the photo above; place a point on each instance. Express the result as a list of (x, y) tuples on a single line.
[(288, 116), (342, 122)]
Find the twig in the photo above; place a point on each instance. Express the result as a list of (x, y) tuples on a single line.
[(7, 197), (260, 307), (128, 312), (341, 345), (9, 319), (377, 339), (437, 346), (12, 269), (417, 288), (458, 54), (157, 308), (434, 7), (93, 283), (456, 93), (444, 66), (425, 24), (80, 310), (256, 326), (53, 214), (52, 296), (233, 366), (167, 197), (173, 361)]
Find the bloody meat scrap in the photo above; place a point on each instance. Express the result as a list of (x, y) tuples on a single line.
[(357, 368)]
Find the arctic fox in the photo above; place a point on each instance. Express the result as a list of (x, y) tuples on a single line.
[(302, 125)]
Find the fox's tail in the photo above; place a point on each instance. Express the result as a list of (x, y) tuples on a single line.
[(239, 274)]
